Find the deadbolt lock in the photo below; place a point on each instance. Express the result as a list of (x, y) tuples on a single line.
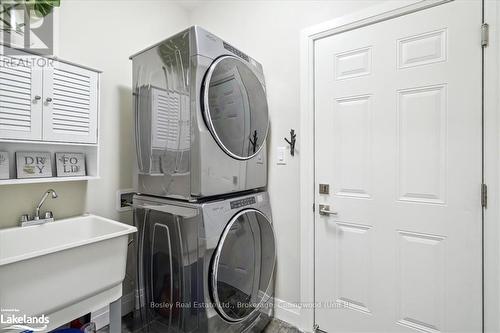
[(324, 189)]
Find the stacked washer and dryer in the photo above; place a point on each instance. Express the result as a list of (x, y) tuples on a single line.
[(206, 248)]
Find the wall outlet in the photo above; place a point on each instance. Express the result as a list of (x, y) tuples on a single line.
[(124, 199), (281, 155)]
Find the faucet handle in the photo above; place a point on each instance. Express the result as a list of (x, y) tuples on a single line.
[(49, 215), (25, 218)]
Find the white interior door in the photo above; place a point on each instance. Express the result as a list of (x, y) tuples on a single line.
[(398, 139)]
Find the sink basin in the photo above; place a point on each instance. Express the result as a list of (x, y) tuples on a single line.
[(62, 269)]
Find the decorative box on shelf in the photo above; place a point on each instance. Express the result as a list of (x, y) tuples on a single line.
[(4, 165), (85, 167)]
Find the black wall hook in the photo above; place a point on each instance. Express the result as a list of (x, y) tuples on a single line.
[(254, 141), (291, 142)]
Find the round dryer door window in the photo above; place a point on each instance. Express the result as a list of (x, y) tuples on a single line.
[(235, 107), (243, 265)]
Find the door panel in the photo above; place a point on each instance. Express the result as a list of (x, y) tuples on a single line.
[(422, 144), (420, 276), (20, 98), (352, 142), (398, 138), (70, 104)]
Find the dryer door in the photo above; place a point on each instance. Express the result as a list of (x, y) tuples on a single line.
[(243, 265), (235, 107)]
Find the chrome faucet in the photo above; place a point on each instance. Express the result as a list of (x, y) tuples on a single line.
[(42, 200), (48, 216)]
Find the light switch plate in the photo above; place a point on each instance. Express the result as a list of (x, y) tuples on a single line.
[(260, 158), (281, 155)]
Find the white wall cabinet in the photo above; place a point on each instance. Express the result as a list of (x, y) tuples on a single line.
[(70, 104), (48, 105), (20, 100), (48, 100)]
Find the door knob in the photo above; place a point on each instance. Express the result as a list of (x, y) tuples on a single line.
[(325, 210)]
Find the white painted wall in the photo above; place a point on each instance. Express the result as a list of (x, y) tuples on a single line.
[(269, 32), (103, 34)]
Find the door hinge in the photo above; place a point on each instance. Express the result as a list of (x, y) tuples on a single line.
[(485, 35), (314, 207), (484, 196)]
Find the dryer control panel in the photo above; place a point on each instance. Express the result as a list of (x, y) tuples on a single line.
[(242, 202)]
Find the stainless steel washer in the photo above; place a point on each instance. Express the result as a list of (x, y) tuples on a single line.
[(206, 267)]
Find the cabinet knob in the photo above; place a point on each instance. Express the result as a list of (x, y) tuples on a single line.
[(37, 98), (48, 100)]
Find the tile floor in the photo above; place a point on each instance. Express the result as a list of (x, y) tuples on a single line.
[(278, 326), (275, 326)]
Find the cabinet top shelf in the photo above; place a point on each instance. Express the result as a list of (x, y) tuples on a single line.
[(55, 58), (7, 141), (45, 180)]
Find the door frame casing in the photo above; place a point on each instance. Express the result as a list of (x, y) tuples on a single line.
[(368, 16)]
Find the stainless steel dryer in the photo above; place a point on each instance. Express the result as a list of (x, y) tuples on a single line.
[(205, 267), (201, 117)]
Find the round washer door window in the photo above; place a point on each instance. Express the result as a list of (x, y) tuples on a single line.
[(235, 107), (243, 265)]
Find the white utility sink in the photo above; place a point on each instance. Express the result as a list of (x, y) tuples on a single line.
[(62, 269)]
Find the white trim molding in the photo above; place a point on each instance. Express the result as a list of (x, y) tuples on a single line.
[(491, 231), (385, 11), (287, 312)]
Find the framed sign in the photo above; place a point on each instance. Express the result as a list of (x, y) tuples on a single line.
[(4, 165), (33, 164), (70, 164)]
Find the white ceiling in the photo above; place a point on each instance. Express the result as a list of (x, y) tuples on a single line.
[(190, 4)]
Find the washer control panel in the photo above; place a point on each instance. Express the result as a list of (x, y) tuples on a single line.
[(242, 202)]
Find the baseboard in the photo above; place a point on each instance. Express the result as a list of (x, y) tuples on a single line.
[(287, 312), (101, 316)]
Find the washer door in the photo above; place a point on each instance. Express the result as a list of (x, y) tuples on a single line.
[(243, 265), (235, 107)]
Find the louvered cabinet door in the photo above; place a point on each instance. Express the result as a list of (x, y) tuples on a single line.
[(20, 98), (70, 104)]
